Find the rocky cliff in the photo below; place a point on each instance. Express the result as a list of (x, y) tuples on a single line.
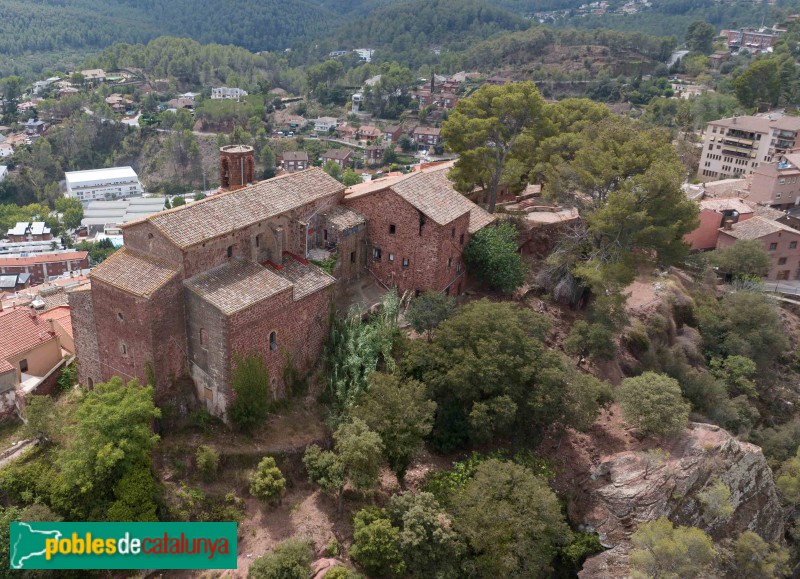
[(614, 482)]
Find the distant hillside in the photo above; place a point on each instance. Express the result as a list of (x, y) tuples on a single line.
[(426, 23)]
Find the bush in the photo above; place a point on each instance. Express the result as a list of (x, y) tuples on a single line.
[(250, 383), (68, 377), (491, 256), (267, 482), (207, 462), (653, 404), (290, 560), (592, 340), (376, 544)]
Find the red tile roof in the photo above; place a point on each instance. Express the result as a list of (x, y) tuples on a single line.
[(62, 316), (45, 258), (22, 331)]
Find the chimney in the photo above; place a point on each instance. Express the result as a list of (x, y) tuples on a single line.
[(727, 225)]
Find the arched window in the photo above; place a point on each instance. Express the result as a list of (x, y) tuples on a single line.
[(230, 251), (120, 317), (123, 348), (273, 341)]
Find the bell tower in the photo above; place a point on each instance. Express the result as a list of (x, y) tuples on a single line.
[(236, 167)]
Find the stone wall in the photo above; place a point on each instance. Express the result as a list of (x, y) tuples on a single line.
[(428, 252), (84, 330)]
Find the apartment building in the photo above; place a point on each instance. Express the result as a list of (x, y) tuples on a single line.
[(111, 183), (736, 146)]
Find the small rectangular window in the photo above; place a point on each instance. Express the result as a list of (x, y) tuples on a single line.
[(405, 262), (453, 233), (391, 257), (773, 246), (376, 253), (230, 251), (781, 261), (392, 229), (449, 262), (258, 240), (461, 239), (23, 365), (792, 245), (352, 257)]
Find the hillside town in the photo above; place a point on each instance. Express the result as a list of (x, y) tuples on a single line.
[(528, 308)]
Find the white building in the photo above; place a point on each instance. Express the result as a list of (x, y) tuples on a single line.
[(734, 147), (325, 124), (103, 184), (3, 172), (365, 54), (98, 215), (225, 92), (6, 150)]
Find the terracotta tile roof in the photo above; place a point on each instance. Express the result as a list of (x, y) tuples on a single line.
[(756, 228), (768, 212), (340, 154), (432, 193), (62, 316), (726, 204), (221, 214), (5, 366), (295, 156), (134, 272), (306, 277), (44, 258), (427, 131), (21, 331), (237, 285), (343, 217)]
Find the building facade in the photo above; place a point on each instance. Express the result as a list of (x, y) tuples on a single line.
[(29, 231), (224, 92), (197, 286), (780, 241), (737, 146), (114, 183), (45, 265)]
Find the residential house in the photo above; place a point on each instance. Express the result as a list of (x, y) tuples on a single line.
[(392, 133), (181, 102), (94, 75), (369, 133), (118, 103), (779, 240), (717, 59), (14, 282), (295, 161), (347, 132), (6, 150), (427, 137), (498, 80), (750, 38), (713, 214), (29, 231), (374, 154), (33, 127), (342, 157), (325, 124), (224, 92), (30, 356), (447, 100)]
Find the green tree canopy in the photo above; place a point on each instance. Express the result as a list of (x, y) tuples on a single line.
[(486, 130), (663, 550), (746, 257), (428, 310), (653, 404), (250, 384), (512, 521), (291, 559), (700, 37), (401, 413), (267, 482), (760, 83), (491, 256)]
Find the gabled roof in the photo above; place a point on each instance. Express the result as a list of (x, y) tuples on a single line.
[(757, 227), (21, 330), (295, 156), (303, 276), (227, 212), (237, 285), (432, 193), (57, 257), (427, 131), (62, 316), (340, 154), (134, 272)]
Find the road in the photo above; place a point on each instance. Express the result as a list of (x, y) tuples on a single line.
[(785, 287)]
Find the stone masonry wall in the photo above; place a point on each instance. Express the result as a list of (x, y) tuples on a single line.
[(428, 253), (84, 331)]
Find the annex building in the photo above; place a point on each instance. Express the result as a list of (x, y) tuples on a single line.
[(196, 286), (114, 183)]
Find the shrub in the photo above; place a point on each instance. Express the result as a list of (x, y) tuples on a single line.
[(376, 544), (267, 482), (290, 560), (207, 462), (250, 382), (491, 256), (653, 404)]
